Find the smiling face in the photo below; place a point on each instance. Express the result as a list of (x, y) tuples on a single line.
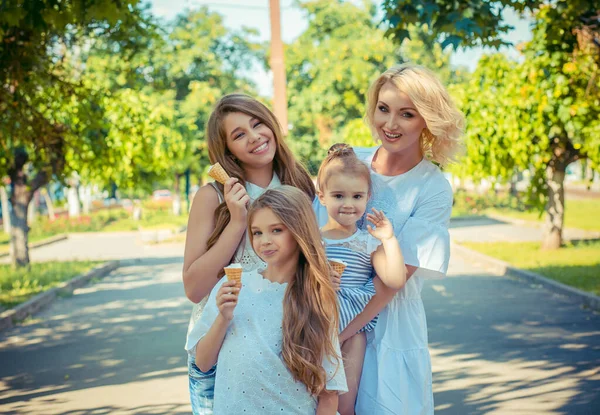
[(397, 122), (345, 198), (272, 241), (250, 141)]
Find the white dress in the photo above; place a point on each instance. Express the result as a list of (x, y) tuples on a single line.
[(251, 376), (396, 377), (244, 254)]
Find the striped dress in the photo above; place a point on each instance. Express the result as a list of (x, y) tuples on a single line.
[(356, 288)]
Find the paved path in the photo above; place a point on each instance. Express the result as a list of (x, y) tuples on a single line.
[(499, 346), (115, 347), (104, 246)]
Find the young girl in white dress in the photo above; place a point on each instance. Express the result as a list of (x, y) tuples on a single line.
[(344, 187), (245, 138), (275, 339), (419, 127)]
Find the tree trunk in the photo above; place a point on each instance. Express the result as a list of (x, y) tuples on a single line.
[(19, 247), (73, 202), (49, 204), (5, 210), (85, 194), (555, 208), (177, 196), (20, 197), (31, 209)]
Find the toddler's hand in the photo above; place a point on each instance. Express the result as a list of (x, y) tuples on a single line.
[(383, 227), (227, 298), (336, 279)]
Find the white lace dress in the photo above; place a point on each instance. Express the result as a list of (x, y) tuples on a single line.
[(251, 377), (396, 377), (244, 255)]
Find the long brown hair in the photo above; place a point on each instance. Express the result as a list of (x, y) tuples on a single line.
[(287, 168), (310, 310)]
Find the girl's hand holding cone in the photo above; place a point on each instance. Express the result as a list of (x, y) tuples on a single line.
[(237, 200), (227, 298)]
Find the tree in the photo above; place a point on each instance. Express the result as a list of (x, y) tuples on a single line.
[(541, 114), (454, 22), (48, 113), (184, 70), (558, 118), (329, 68)]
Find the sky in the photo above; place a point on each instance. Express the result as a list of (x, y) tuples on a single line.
[(255, 14)]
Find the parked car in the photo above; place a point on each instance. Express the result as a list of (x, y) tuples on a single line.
[(162, 195)]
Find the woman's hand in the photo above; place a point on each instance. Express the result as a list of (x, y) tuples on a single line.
[(227, 298), (237, 200), (383, 228)]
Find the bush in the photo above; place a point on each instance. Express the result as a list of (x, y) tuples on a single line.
[(471, 203)]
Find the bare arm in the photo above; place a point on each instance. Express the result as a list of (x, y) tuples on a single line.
[(387, 259), (388, 262), (209, 346), (328, 403), (383, 296), (201, 266)]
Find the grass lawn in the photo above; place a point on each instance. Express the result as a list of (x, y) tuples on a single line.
[(149, 221), (577, 265), (580, 214), (19, 285)]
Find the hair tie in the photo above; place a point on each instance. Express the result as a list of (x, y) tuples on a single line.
[(340, 149)]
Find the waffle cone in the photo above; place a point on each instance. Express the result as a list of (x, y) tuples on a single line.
[(218, 173), (234, 274), (337, 266)]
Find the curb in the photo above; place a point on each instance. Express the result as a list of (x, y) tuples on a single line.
[(10, 318), (504, 268), (43, 242)]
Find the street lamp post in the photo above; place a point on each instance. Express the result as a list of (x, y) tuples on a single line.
[(278, 66)]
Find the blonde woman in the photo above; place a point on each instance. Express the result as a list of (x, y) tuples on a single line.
[(276, 337), (419, 128)]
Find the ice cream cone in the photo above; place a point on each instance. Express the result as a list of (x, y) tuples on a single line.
[(338, 265), (218, 173), (234, 273)]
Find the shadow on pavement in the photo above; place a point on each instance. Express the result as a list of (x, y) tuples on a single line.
[(502, 346), (129, 327)]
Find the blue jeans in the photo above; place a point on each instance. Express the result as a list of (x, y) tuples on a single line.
[(202, 388)]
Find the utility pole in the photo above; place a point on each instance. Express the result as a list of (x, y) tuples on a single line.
[(278, 67)]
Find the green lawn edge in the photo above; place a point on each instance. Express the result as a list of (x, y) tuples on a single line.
[(575, 264)]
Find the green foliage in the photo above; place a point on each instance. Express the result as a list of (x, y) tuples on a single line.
[(577, 265), (329, 69), (469, 203), (46, 106), (455, 23), (543, 111), (19, 285)]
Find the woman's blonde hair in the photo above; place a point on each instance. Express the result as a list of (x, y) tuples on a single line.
[(310, 310), (287, 168), (341, 159), (440, 140)]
